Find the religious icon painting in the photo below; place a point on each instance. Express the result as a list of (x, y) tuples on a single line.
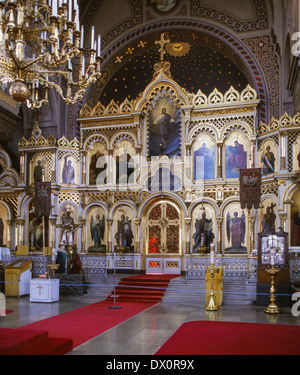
[(295, 219), (123, 224), (68, 167), (268, 216), (203, 228), (204, 157), (3, 226), (96, 233), (164, 5), (38, 169), (124, 163), (296, 155), (236, 150), (38, 229), (268, 157), (68, 220), (164, 129), (235, 233), (97, 164)]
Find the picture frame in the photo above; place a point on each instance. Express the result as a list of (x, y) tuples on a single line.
[(273, 249)]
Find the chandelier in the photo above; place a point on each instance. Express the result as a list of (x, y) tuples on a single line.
[(41, 48)]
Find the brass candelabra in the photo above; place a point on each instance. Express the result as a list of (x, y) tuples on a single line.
[(272, 308), (211, 304), (53, 267)]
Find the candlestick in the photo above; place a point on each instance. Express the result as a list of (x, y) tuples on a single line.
[(272, 308)]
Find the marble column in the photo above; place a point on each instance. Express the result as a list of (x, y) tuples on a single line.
[(137, 223), (283, 150), (282, 219), (83, 236), (219, 234), (109, 236), (252, 219), (220, 160), (52, 222), (83, 165), (187, 221), (9, 224)]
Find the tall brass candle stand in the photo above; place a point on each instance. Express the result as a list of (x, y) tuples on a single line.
[(272, 308), (211, 305)]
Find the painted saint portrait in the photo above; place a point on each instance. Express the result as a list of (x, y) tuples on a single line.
[(204, 227), (235, 238), (123, 224), (295, 219), (96, 230), (68, 171), (296, 155), (124, 163), (37, 232), (204, 158), (268, 216), (235, 157), (268, 158), (163, 179), (98, 164), (164, 133), (3, 226), (164, 5)]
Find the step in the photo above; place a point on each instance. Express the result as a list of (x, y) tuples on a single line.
[(53, 346), (16, 341)]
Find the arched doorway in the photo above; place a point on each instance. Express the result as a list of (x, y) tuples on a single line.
[(163, 238)]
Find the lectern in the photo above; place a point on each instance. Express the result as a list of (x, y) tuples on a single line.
[(17, 278)]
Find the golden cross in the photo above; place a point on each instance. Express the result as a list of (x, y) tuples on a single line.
[(162, 43), (40, 287)]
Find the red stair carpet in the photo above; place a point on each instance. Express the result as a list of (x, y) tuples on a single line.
[(228, 338), (146, 288), (26, 342)]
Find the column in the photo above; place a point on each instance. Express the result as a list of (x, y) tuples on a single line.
[(53, 232), (219, 160), (253, 142), (252, 219), (282, 219), (53, 167), (188, 164), (109, 236), (9, 223), (83, 164), (283, 150), (83, 236), (219, 235), (21, 239), (137, 223), (187, 221), (22, 168)]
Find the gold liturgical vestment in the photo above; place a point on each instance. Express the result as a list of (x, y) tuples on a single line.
[(214, 281)]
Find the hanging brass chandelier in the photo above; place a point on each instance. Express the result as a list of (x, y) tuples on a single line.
[(41, 48)]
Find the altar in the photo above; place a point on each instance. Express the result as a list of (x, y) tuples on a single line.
[(44, 290)]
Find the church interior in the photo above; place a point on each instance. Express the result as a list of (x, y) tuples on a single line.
[(149, 176)]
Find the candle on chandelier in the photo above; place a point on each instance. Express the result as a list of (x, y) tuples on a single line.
[(92, 37), (99, 46)]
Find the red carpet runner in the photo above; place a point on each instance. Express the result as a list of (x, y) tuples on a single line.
[(146, 288), (73, 328), (228, 338)]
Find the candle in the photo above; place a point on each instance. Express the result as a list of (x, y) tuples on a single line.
[(99, 46), (92, 37), (81, 37), (53, 256)]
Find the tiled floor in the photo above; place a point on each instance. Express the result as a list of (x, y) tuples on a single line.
[(144, 333)]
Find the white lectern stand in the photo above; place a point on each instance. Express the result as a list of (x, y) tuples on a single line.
[(44, 290)]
